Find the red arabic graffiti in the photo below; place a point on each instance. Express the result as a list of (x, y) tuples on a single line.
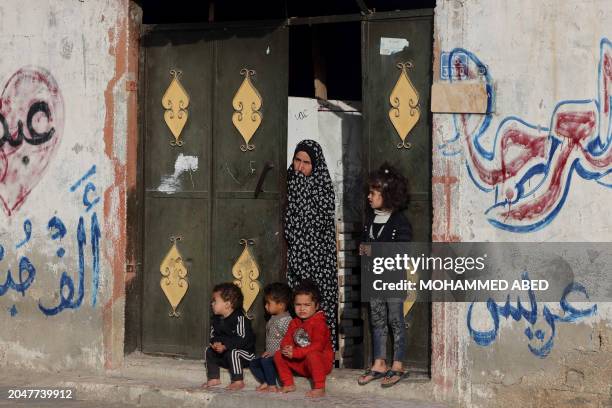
[(530, 167)]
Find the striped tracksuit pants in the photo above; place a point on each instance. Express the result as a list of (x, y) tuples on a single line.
[(234, 360)]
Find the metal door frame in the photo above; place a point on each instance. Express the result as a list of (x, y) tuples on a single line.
[(380, 17), (134, 292)]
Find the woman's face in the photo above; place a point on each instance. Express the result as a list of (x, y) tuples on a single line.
[(375, 199), (302, 163)]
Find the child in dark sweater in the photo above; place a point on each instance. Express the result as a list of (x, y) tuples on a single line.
[(232, 341), (388, 194)]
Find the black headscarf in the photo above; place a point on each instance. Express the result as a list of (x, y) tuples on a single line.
[(310, 230)]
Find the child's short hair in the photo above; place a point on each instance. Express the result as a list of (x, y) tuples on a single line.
[(307, 287), (392, 185), (229, 292), (278, 292)]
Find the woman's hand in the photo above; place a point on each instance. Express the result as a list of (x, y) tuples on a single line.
[(266, 355), (287, 351)]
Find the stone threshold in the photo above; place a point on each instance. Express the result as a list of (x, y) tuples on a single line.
[(151, 381), (188, 374)]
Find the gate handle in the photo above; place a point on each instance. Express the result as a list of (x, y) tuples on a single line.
[(267, 167)]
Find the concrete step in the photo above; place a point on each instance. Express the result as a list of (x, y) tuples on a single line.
[(154, 382), (340, 383), (117, 390)]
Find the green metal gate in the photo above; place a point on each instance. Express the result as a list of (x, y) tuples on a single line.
[(215, 112), (397, 70)]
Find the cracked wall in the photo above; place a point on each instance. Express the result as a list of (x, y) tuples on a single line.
[(68, 119), (534, 169)]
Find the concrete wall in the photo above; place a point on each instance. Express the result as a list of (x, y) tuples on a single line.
[(68, 67), (549, 68)]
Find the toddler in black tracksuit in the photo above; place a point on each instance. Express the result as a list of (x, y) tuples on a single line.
[(232, 341)]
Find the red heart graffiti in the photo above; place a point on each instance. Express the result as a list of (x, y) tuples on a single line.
[(31, 127)]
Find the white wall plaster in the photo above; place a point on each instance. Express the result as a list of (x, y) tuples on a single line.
[(68, 41), (538, 55)]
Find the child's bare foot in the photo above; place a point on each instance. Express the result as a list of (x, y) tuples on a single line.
[(211, 383), (316, 393), (262, 387), (288, 388), (236, 386), (272, 388)]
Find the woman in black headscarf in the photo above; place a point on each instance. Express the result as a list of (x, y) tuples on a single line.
[(310, 229)]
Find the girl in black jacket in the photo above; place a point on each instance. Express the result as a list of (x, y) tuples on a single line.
[(388, 193)]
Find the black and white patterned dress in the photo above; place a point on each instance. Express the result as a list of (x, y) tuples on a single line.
[(311, 233)]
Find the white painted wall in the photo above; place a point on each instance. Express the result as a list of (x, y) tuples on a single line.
[(72, 43), (538, 55)]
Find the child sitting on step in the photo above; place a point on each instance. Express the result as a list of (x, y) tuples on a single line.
[(232, 341), (306, 349), (277, 297)]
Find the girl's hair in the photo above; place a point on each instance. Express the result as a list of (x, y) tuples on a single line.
[(229, 292), (307, 287), (278, 292), (392, 185)]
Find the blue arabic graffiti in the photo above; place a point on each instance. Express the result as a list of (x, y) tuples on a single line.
[(528, 169), (87, 201), (530, 314), (27, 229), (95, 253), (89, 173), (57, 228), (71, 296), (58, 231), (25, 267), (67, 301)]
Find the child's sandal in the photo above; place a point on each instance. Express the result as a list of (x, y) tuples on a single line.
[(390, 374), (375, 375)]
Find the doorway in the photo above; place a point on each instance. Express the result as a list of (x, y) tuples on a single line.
[(342, 74), (212, 208)]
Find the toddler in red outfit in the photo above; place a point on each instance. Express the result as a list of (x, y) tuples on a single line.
[(306, 349)]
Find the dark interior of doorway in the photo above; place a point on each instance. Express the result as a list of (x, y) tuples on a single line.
[(331, 52), (334, 49), (185, 11)]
